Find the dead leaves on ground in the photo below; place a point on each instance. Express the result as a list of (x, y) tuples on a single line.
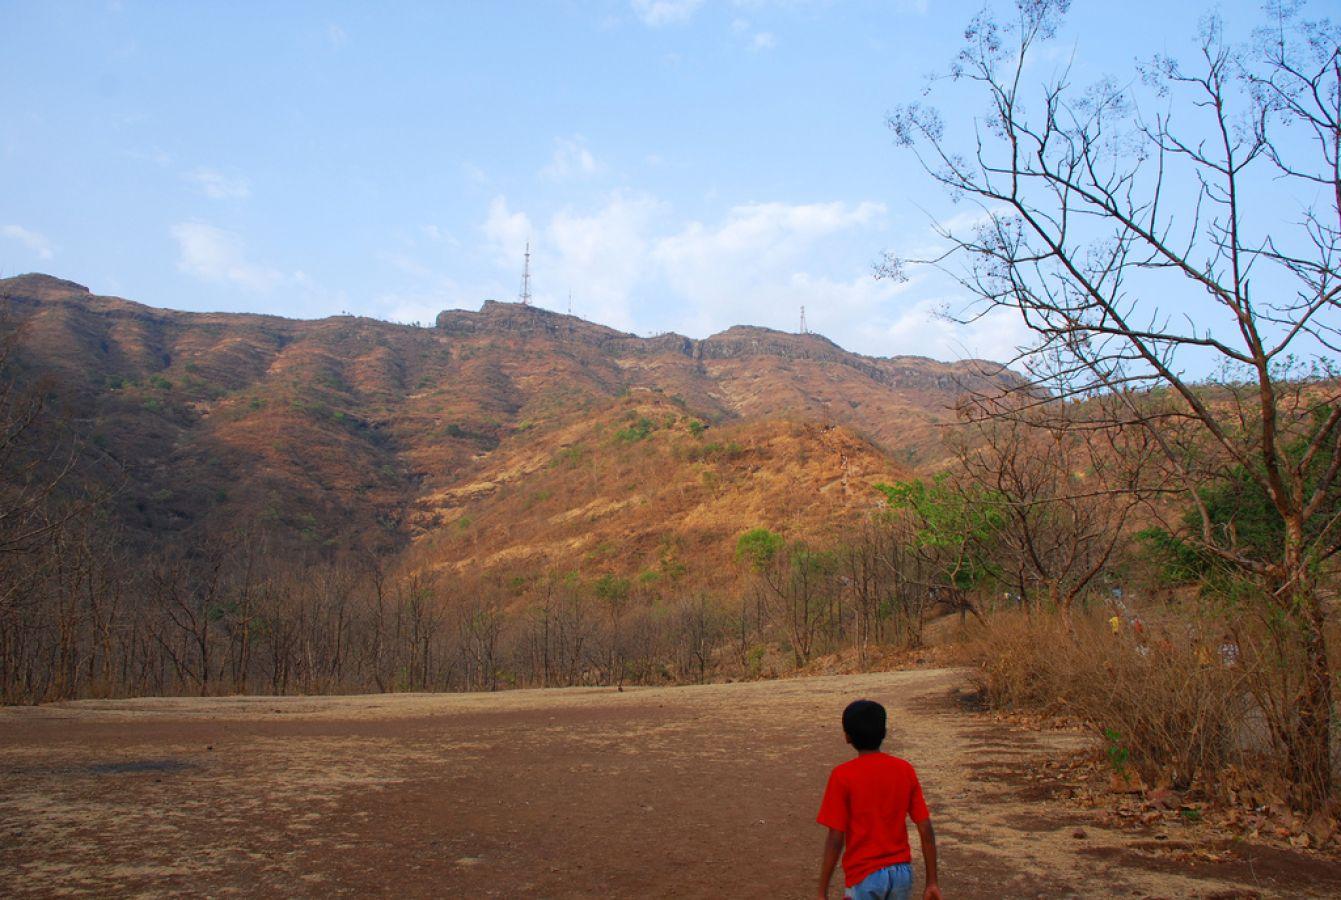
[(1250, 810)]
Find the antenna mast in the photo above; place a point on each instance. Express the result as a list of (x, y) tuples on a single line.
[(804, 329), (525, 297)]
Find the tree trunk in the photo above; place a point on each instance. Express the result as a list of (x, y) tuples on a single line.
[(1309, 762)]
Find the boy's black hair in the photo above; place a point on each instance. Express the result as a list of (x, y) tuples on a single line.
[(864, 724)]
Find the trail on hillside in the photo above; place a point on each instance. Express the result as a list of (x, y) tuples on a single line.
[(677, 792)]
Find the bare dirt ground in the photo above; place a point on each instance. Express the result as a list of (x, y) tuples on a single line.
[(657, 792)]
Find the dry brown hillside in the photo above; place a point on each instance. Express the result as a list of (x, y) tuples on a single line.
[(505, 435), (642, 487)]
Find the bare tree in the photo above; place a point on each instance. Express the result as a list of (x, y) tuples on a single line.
[(480, 624), (1065, 502), (696, 632), (794, 582), (26, 453), (1135, 227)]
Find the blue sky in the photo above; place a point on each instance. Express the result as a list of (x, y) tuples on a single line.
[(676, 164)]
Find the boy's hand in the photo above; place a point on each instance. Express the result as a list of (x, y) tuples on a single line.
[(928, 836), (833, 849)]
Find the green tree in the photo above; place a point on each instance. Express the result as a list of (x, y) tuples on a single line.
[(795, 582), (759, 547), (953, 527)]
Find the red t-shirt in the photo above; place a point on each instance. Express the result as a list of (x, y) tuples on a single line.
[(870, 799)]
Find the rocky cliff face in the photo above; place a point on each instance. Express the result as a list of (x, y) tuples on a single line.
[(739, 342)]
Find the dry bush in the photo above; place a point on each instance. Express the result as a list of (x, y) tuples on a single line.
[(1013, 663), (1165, 701)]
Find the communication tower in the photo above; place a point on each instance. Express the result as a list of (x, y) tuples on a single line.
[(525, 296), (804, 329)]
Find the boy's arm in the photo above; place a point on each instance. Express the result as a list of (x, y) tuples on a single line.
[(833, 849), (928, 835)]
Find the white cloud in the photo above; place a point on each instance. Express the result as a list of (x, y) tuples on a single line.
[(37, 243), (922, 329), (656, 13), (571, 160), (761, 40), (721, 274), (754, 266), (506, 232), (217, 255), (420, 307), (761, 233), (630, 264), (601, 256), (218, 185)]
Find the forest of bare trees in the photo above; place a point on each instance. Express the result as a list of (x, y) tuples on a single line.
[(83, 619)]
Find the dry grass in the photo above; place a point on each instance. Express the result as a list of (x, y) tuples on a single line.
[(579, 497), (1166, 702)]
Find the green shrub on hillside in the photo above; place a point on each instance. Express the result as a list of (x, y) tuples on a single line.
[(637, 431), (569, 457), (758, 547), (715, 452)]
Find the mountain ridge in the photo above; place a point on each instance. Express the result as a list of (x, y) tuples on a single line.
[(729, 342), (348, 429)]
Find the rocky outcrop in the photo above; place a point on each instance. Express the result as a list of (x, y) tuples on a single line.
[(739, 342)]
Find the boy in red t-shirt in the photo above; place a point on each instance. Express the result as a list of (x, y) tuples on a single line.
[(865, 807)]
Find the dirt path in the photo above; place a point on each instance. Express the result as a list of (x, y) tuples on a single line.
[(680, 792)]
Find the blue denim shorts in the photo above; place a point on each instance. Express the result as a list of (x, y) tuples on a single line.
[(890, 883)]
